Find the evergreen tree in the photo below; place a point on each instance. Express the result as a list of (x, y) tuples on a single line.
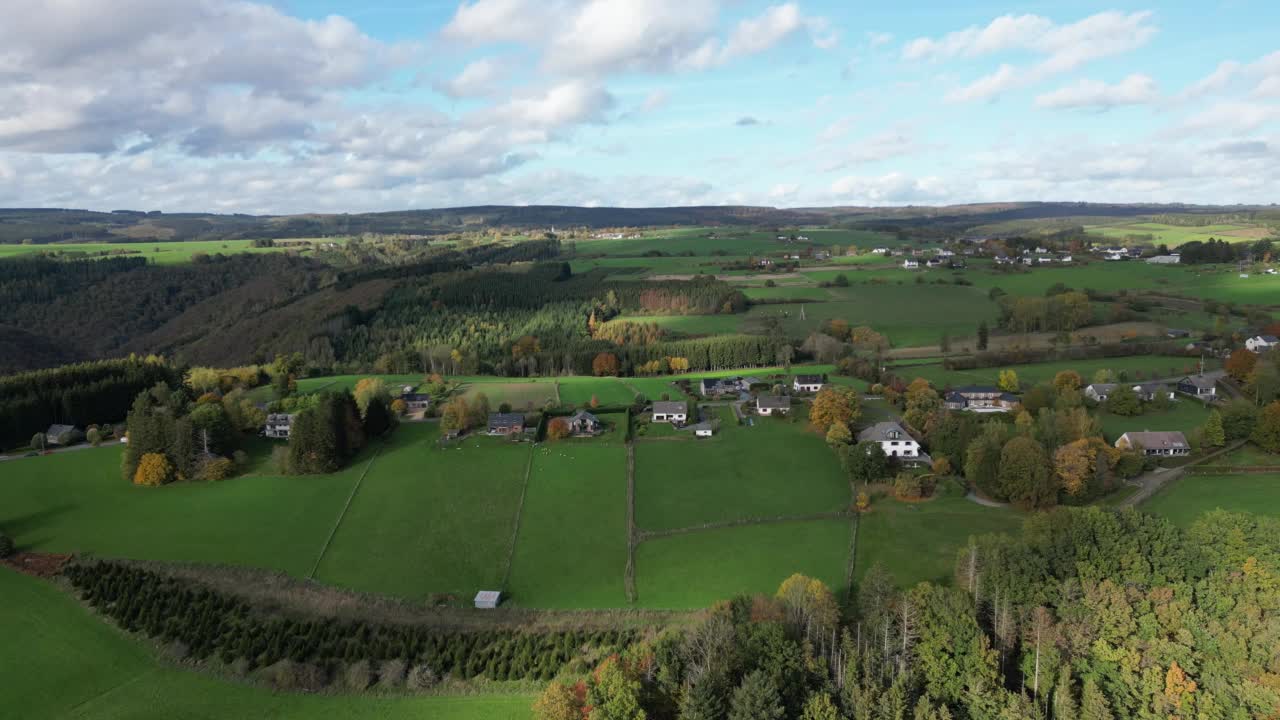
[(1214, 434), (983, 334), (1093, 704), (756, 699), (1064, 699)]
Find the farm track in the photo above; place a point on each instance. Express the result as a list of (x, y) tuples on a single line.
[(334, 530), (643, 535), (515, 532)]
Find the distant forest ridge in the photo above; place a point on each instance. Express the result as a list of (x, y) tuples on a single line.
[(52, 225)]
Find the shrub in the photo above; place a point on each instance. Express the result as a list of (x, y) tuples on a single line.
[(240, 458), (908, 486), (558, 429), (289, 675), (1130, 465), (38, 441), (94, 436), (863, 502), (153, 470), (6, 546), (422, 677), (358, 676), (399, 407), (391, 674), (215, 469)]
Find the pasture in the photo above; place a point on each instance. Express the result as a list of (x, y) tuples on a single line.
[(163, 253), (1174, 235), (59, 660), (775, 467), (1151, 366), (1186, 499), (579, 390), (917, 542), (521, 395), (572, 547), (695, 570)]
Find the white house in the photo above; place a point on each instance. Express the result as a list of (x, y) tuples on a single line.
[(1098, 392), (1159, 444), (771, 404), (894, 441), (1261, 343), (1164, 259), (880, 251), (704, 430), (487, 599), (807, 383), (670, 411), (278, 426), (910, 264)]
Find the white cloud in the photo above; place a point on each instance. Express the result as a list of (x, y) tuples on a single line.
[(1263, 74), (1135, 89), (1063, 47), (477, 79), (883, 146), (655, 100), (891, 189), (879, 39)]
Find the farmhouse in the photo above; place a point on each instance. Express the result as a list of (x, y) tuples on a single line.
[(1261, 343), (773, 404), (416, 402), (880, 251), (807, 383), (1156, 444), (1004, 260), (278, 426), (980, 398), (670, 411), (63, 435), (893, 440), (506, 423), (1199, 386), (487, 599), (711, 387), (583, 423)]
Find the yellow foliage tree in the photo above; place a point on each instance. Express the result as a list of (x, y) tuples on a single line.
[(398, 407), (810, 605), (1008, 381), (153, 470), (558, 702), (1075, 463), (835, 404)]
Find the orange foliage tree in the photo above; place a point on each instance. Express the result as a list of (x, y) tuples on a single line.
[(153, 470), (605, 364), (1241, 364)]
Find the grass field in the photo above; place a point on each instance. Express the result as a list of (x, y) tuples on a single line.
[(1030, 374), (572, 548), (916, 542), (579, 391), (696, 570), (429, 519), (775, 467), (522, 395), (1186, 415), (1192, 495), (164, 253), (1174, 235), (59, 661)]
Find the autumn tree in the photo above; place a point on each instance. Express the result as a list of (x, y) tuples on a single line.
[(921, 401), (811, 608), (367, 389), (1067, 380), (839, 435), (558, 429), (604, 364), (558, 702), (1074, 463), (1266, 433), (613, 693), (1214, 433), (153, 470), (455, 416), (834, 404), (1240, 364), (1008, 381)]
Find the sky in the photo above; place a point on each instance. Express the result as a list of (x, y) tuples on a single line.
[(353, 106)]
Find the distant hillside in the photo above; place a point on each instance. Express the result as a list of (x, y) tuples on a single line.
[(61, 225)]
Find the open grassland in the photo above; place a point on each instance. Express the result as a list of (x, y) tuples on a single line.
[(775, 467), (1186, 415), (1210, 282), (1174, 235), (77, 502), (579, 391), (792, 292), (915, 542), (1249, 455), (165, 253), (525, 395), (1192, 495), (59, 661), (429, 519), (698, 569), (1153, 366), (572, 547)]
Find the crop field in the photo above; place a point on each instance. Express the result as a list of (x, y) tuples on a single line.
[(775, 467), (1174, 235), (1171, 367), (58, 660), (695, 570), (77, 502), (429, 519), (572, 548), (1193, 495), (915, 542), (164, 253)]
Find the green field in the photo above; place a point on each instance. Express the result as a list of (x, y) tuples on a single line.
[(916, 542), (60, 661), (1170, 367), (1174, 235), (1186, 415), (523, 395), (579, 391), (698, 569), (572, 548), (775, 467), (165, 253), (1189, 497), (429, 519)]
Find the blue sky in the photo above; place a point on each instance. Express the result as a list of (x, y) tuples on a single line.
[(332, 105)]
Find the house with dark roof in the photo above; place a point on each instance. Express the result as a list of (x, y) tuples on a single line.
[(895, 441), (583, 423), (1199, 386), (1098, 392), (773, 405), (416, 402), (980, 398), (63, 435), (506, 423), (1149, 391), (671, 411), (1155, 444), (807, 383)]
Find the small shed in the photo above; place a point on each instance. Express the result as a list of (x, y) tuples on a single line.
[(488, 599), (704, 429)]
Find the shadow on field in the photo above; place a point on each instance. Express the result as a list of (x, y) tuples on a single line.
[(20, 527)]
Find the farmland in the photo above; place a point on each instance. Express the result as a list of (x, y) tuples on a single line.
[(1193, 495), (1030, 374), (164, 253), (1175, 235), (58, 660)]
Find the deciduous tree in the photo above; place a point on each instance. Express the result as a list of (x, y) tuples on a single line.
[(835, 404), (1266, 433), (1008, 380), (1240, 364)]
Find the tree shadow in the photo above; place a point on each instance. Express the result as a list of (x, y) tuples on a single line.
[(20, 526)]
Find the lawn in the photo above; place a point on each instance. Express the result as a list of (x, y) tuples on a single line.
[(1216, 282), (1248, 455), (1174, 235), (1189, 497), (698, 569), (787, 292), (429, 519), (916, 542), (572, 548), (1186, 415), (60, 661), (776, 467), (77, 502)]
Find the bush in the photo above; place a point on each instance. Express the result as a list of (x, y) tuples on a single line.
[(38, 441), (240, 458), (358, 676), (422, 677), (558, 428), (94, 436), (153, 470), (290, 675), (391, 674), (215, 469), (1130, 465), (909, 486), (6, 546)]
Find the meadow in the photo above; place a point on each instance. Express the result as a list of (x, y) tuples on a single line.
[(60, 661), (1187, 498), (163, 253), (774, 467), (1186, 415), (1169, 367), (1175, 235)]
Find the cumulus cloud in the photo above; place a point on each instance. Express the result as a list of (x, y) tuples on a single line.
[(1263, 75), (891, 189), (477, 79), (1135, 89), (1063, 47)]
